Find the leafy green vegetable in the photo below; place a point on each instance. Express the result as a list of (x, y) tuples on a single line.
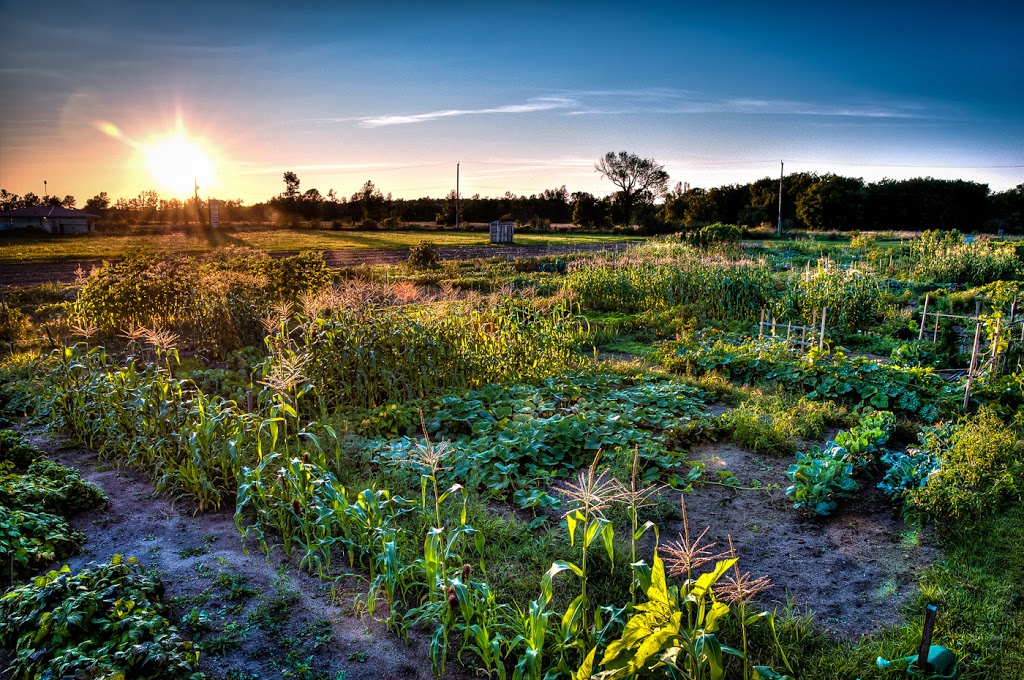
[(106, 621)]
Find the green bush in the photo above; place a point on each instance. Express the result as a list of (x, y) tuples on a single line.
[(13, 323), (107, 621), (423, 255), (981, 470)]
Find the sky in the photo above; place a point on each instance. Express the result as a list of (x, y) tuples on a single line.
[(123, 97)]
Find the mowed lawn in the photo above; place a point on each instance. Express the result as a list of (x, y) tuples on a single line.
[(16, 248)]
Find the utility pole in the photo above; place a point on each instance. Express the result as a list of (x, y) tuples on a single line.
[(781, 167), (457, 195), (46, 192)]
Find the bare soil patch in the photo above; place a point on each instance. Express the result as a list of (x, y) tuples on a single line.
[(853, 569), (291, 617)]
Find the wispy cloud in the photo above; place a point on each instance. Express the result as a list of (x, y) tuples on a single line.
[(687, 102), (532, 105)]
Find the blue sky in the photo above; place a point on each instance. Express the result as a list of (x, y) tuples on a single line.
[(526, 96)]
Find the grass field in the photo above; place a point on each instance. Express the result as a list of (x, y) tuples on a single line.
[(16, 248)]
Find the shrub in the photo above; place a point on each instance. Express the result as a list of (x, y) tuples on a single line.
[(13, 323), (980, 471), (423, 255)]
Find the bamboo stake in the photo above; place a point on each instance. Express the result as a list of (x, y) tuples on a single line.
[(995, 345), (821, 341), (924, 315), (760, 326), (974, 363), (935, 332)]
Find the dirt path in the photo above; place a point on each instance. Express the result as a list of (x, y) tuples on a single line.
[(37, 273), (257, 618), (853, 569)]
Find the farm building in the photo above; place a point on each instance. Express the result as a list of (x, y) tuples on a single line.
[(53, 219)]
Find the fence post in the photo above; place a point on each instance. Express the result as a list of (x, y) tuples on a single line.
[(974, 363), (821, 339), (995, 344), (924, 315)]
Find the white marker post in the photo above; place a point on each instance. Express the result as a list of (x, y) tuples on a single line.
[(214, 214)]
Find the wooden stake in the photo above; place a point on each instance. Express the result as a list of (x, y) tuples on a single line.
[(974, 364), (249, 408), (760, 326), (924, 315), (821, 340), (995, 344), (935, 332)]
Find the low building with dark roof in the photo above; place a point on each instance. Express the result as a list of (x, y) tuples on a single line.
[(52, 219)]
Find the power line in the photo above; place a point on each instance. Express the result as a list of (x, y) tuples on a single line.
[(898, 165)]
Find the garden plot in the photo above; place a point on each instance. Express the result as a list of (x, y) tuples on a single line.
[(256, 616), (853, 569)]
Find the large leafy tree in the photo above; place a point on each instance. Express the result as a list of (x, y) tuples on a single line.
[(639, 180), (833, 202)]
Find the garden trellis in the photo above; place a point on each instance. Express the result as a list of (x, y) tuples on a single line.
[(809, 336), (1003, 338)]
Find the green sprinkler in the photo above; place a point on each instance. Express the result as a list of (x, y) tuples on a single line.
[(931, 661)]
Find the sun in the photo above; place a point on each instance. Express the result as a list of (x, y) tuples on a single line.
[(177, 162)]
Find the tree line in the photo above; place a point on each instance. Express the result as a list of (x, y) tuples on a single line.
[(643, 200)]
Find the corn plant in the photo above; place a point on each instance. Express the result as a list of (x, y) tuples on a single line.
[(673, 632), (590, 495)]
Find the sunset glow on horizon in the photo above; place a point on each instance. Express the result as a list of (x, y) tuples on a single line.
[(336, 97)]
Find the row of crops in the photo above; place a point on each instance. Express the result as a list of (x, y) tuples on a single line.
[(421, 434)]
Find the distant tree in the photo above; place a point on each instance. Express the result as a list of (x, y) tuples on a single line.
[(69, 202), (446, 216), (1008, 209), (833, 202), (53, 201), (98, 204), (9, 201), (689, 206), (639, 180), (30, 200), (590, 212), (291, 185), (371, 201)]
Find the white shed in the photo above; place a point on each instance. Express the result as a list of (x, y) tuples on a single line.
[(502, 231), (53, 219)]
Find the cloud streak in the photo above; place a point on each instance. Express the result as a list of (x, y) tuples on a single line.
[(531, 106), (778, 107)]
